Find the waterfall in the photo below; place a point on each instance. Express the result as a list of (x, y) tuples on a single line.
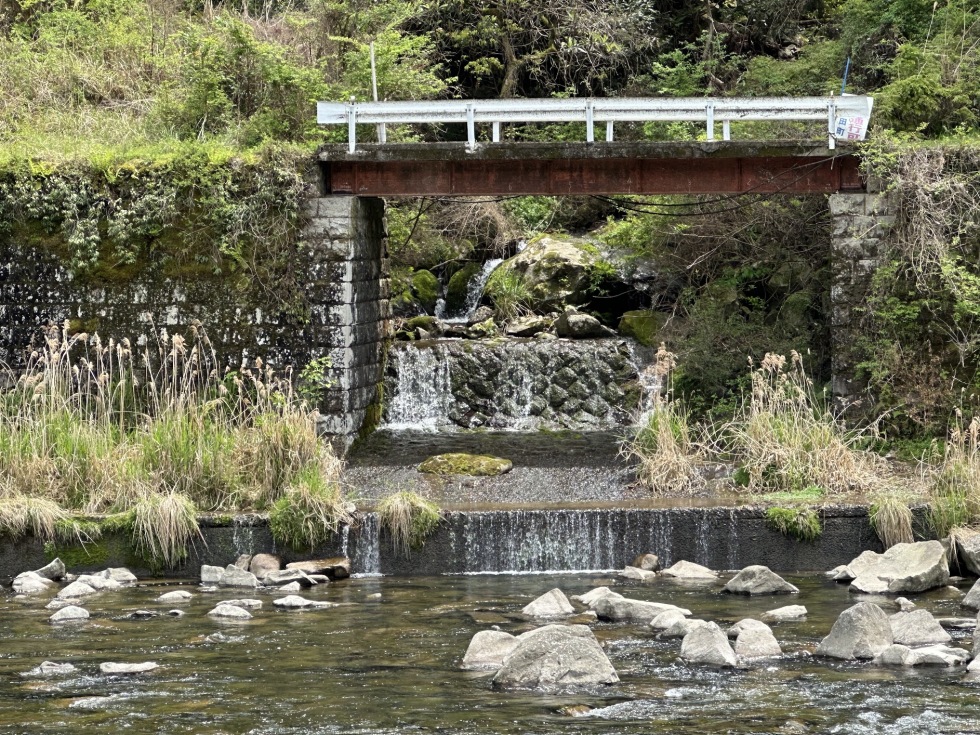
[(422, 394), (474, 292), (367, 550)]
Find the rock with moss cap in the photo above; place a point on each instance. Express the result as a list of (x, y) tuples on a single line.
[(425, 289), (466, 464), (643, 325)]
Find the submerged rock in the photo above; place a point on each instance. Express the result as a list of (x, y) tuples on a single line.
[(689, 570), (917, 628), (459, 463), (111, 667), (624, 609), (174, 597), (639, 575), (913, 567), (861, 631), (707, 644), (69, 614), (50, 668), (790, 613), (552, 604), (555, 657), (756, 643), (900, 655), (488, 649), (759, 580), (230, 612)]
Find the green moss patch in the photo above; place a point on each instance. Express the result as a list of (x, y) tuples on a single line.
[(458, 463), (643, 325)]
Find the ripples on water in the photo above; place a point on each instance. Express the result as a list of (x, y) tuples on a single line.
[(390, 666)]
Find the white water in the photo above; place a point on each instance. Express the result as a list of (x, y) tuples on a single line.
[(474, 292), (423, 393)]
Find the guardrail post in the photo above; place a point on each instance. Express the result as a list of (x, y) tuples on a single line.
[(709, 111), (609, 131), (470, 128), (726, 129), (351, 128), (496, 132), (589, 120), (832, 125)]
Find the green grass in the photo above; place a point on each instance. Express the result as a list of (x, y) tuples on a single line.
[(803, 524), (409, 519)]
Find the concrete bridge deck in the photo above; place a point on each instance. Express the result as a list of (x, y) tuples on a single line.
[(615, 167)]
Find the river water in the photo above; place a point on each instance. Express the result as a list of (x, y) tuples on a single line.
[(390, 665)]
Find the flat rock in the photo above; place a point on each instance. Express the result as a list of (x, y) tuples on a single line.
[(289, 587), (901, 655), (488, 649), (528, 326), (244, 603), (335, 567), (756, 643), (120, 575), (747, 624), (552, 604), (97, 582), (68, 614), (232, 576), (287, 576), (637, 574), (581, 326), (707, 644), (111, 667), (555, 657), (142, 615), (689, 570), (296, 602), (75, 590), (230, 612), (31, 583), (49, 668), (758, 580), (861, 631), (972, 599), (957, 623), (624, 609), (647, 562), (53, 570), (790, 613), (666, 619), (680, 628), (262, 564), (592, 596), (175, 597), (915, 567), (211, 574), (917, 628)]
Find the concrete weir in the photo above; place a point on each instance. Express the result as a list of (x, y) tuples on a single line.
[(520, 541)]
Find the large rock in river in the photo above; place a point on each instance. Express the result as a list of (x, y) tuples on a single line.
[(861, 631), (707, 644), (917, 628), (555, 270), (488, 649), (625, 609), (903, 568), (552, 604), (556, 657), (759, 580)]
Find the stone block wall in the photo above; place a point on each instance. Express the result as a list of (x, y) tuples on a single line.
[(860, 221), (343, 273)]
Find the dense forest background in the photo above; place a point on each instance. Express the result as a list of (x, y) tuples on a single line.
[(129, 126)]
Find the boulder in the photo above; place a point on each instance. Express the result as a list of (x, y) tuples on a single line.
[(624, 609), (31, 583), (97, 582), (336, 567), (552, 604), (119, 575), (244, 603), (488, 649), (68, 614), (289, 587), (707, 644), (110, 667), (900, 655), (689, 570), (527, 326), (647, 562), (975, 653), (295, 602), (755, 643), (759, 580), (232, 576), (861, 631), (638, 575), (53, 570), (555, 657), (175, 597), (230, 612), (790, 613), (840, 573), (592, 596), (49, 668), (972, 599), (554, 270), (75, 590), (666, 619), (287, 576), (243, 561), (905, 604), (574, 325), (262, 564), (211, 574), (747, 624), (459, 463), (917, 628), (968, 550), (915, 567), (680, 628)]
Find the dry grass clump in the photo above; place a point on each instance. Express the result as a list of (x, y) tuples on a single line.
[(955, 487), (310, 509), (891, 518), (669, 459), (787, 439), (409, 519), (101, 428), (21, 515)]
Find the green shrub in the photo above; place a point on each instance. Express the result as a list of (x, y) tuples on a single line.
[(800, 523), (409, 519)]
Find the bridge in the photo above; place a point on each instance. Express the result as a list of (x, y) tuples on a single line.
[(485, 163)]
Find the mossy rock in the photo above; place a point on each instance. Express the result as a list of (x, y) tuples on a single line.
[(458, 287), (643, 325), (458, 463), (428, 323), (425, 288), (557, 270)]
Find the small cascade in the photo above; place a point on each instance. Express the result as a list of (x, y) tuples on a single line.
[(367, 550), (422, 394), (474, 293)]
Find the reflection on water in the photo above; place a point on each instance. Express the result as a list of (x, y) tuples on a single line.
[(390, 666)]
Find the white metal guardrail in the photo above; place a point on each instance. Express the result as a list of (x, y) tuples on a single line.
[(846, 116)]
